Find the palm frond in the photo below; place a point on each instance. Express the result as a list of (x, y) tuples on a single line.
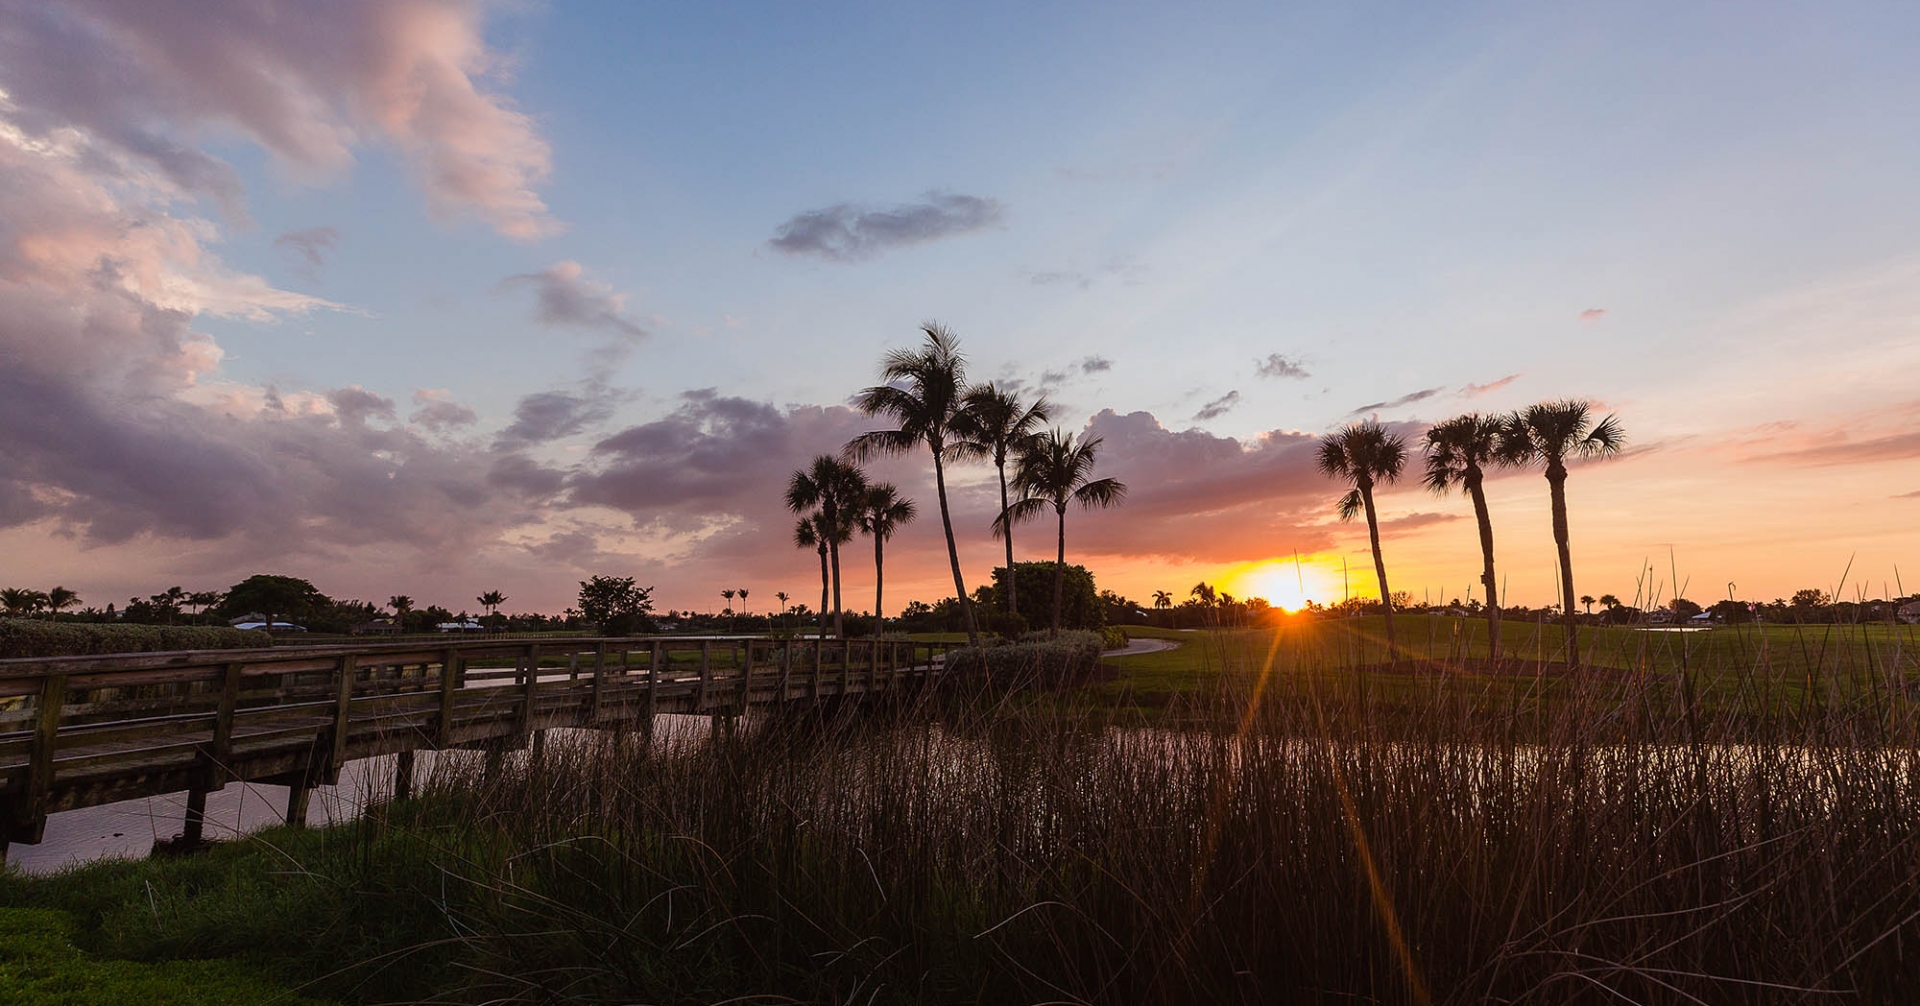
[(1019, 512), (1103, 493), (880, 443), (1605, 439), (1350, 505)]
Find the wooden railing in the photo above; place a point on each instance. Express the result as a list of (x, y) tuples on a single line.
[(81, 731)]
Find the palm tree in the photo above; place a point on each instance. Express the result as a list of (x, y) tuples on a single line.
[(15, 600), (491, 600), (1587, 601), (836, 488), (997, 425), (880, 514), (1458, 453), (170, 599), (203, 599), (810, 533), (1609, 601), (1162, 599), (58, 598), (1366, 455), (1549, 434), (728, 594), (923, 393), (781, 596), (742, 591), (402, 606), (1056, 470)]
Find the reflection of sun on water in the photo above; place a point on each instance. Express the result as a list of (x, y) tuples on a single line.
[(1281, 582)]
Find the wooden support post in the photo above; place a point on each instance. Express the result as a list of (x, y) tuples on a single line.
[(495, 760), (873, 664), (449, 679), (706, 673), (196, 816), (599, 683), (746, 676), (342, 710), (220, 754), (528, 683), (297, 798), (653, 688), (31, 813), (819, 657), (403, 775), (539, 744), (786, 670)]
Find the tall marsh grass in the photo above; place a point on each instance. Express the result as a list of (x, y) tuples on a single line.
[(1311, 841)]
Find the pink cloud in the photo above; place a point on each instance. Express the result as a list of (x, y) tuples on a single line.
[(1593, 314), (310, 82)]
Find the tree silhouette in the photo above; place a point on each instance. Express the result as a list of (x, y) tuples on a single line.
[(1550, 434), (923, 391), (1458, 453), (1609, 601), (811, 533), (728, 594), (882, 512), (59, 598), (1365, 455), (836, 488), (1162, 599), (492, 600), (1587, 601), (1052, 472), (18, 601), (742, 591), (781, 596), (402, 606), (996, 424)]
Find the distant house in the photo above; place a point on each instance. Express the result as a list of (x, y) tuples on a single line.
[(1910, 613), (466, 625), (376, 627), (1660, 616), (1703, 618)]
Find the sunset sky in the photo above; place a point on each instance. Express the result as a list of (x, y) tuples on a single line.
[(438, 297)]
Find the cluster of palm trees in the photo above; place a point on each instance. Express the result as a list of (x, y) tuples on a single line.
[(1459, 452), (924, 392), (23, 602)]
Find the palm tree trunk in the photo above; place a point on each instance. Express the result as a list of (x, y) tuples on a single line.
[(1059, 570), (1486, 555), (823, 591), (839, 627), (1557, 482), (953, 551), (1013, 595), (1379, 565), (879, 579)]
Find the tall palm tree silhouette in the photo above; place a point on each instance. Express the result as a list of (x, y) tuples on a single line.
[(836, 488), (1458, 453), (742, 591), (881, 513), (1162, 599), (997, 425), (781, 596), (492, 600), (1052, 472), (810, 533), (1365, 455), (1550, 434), (923, 391)]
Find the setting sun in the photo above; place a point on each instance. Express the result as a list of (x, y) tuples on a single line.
[(1285, 583)]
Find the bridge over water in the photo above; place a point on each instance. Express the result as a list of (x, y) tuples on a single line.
[(81, 731)]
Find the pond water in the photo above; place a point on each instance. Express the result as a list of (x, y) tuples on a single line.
[(128, 829)]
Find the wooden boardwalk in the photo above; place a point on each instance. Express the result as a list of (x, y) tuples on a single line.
[(81, 731)]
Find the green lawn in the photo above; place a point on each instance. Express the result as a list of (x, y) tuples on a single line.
[(1777, 665), (39, 963)]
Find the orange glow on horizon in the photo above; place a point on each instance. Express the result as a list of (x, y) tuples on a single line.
[(1284, 583)]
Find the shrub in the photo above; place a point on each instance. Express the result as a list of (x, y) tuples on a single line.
[(22, 637), (1034, 660), (1113, 637)]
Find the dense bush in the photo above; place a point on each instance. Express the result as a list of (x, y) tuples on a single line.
[(22, 637), (1035, 659), (1113, 637)]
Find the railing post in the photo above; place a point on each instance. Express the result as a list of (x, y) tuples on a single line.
[(30, 816), (449, 678), (819, 657), (342, 707), (653, 686)]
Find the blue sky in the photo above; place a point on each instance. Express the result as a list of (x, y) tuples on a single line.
[(1701, 215)]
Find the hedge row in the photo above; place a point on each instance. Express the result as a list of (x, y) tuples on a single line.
[(25, 637)]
